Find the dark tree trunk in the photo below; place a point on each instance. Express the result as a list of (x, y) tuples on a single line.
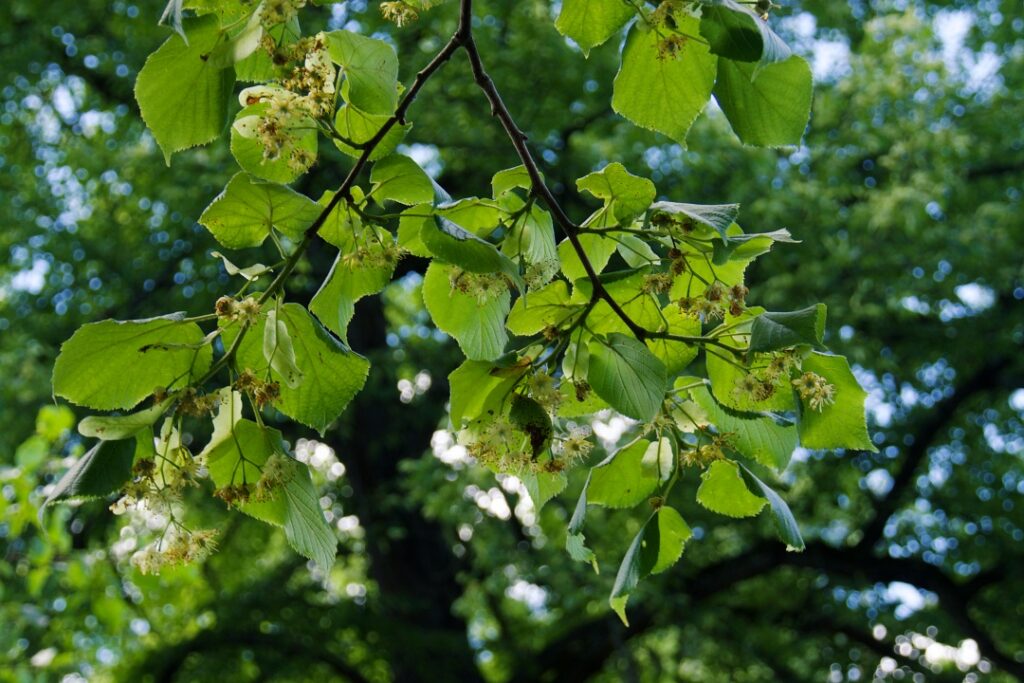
[(410, 560)]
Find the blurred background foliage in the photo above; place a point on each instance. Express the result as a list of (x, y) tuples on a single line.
[(907, 199)]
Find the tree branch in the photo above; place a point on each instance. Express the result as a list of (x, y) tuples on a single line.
[(518, 138), (939, 417), (587, 647)]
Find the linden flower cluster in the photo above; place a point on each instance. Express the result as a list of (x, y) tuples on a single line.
[(263, 393), (274, 474), (498, 446), (156, 485), (483, 286), (303, 97), (577, 445), (279, 11), (762, 383), (540, 273), (373, 254), (183, 547), (246, 310), (814, 389), (544, 390), (715, 302), (705, 454), (194, 404), (404, 12)]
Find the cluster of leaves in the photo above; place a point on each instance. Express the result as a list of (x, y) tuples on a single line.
[(641, 308)]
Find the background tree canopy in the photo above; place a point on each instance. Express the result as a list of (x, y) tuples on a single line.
[(905, 195)]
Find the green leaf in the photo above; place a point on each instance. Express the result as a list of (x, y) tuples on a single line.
[(620, 480), (238, 457), (478, 326), (529, 417), (359, 127), (758, 437), (347, 283), (249, 151), (735, 32), (592, 22), (722, 490), (543, 486), (840, 424), (332, 373), (183, 96), (242, 215), (775, 331), (103, 469), (575, 542), (532, 237), (719, 217), (259, 66), (727, 372), (399, 178), (664, 93), (305, 526), (572, 406), (343, 223), (534, 311), (625, 373), (599, 250), (626, 287), (478, 387), (116, 427), (279, 351), (453, 244), (509, 179), (53, 420), (371, 71), (673, 533), (113, 365), (675, 355), (767, 106), (576, 546), (639, 559), (478, 216), (625, 195), (789, 530)]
